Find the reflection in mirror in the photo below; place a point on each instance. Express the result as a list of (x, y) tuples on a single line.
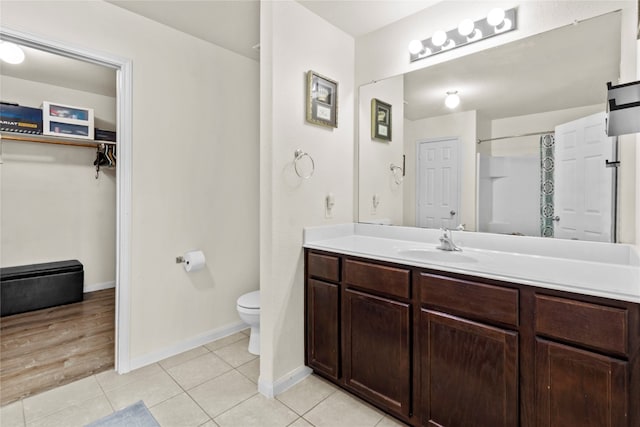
[(517, 156)]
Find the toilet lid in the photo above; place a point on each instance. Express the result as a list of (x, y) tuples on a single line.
[(250, 300)]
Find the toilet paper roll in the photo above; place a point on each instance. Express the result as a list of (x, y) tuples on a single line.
[(193, 261)]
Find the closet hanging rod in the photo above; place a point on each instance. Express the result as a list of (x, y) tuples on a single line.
[(44, 139), (514, 136)]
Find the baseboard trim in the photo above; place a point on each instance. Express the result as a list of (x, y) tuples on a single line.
[(272, 389), (99, 286), (186, 345)]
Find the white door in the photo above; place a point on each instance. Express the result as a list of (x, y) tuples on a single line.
[(437, 184), (583, 196)]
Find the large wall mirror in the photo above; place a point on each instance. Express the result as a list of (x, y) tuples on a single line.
[(524, 152)]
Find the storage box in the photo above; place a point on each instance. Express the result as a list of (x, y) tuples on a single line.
[(16, 118), (67, 120), (104, 135)]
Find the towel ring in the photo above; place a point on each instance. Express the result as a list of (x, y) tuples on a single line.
[(397, 173), (299, 154)]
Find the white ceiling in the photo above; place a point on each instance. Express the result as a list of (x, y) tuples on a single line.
[(235, 24), (44, 67), (559, 69), (232, 24)]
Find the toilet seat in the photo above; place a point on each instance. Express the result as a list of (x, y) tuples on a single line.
[(250, 301)]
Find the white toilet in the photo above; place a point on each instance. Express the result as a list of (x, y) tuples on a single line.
[(248, 306)]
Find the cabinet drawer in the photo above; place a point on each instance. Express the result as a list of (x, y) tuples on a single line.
[(474, 300), (380, 278), (595, 326), (324, 267)]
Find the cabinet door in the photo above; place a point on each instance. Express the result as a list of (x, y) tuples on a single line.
[(323, 327), (377, 361), (469, 372), (579, 388)]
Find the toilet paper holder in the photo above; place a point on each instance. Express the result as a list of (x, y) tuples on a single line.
[(179, 259)]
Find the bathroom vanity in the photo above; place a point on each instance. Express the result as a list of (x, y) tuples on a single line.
[(475, 338)]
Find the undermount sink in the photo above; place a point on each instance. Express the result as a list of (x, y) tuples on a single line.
[(434, 255)]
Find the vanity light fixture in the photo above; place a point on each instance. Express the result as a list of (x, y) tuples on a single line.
[(498, 21), (11, 53), (452, 100)]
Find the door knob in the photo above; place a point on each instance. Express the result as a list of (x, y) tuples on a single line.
[(452, 213), (556, 218)]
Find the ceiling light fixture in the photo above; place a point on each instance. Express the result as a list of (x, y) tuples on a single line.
[(498, 21), (452, 100), (415, 47), (496, 16), (11, 53), (466, 27)]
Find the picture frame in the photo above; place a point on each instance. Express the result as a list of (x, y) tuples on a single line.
[(380, 120), (322, 100)]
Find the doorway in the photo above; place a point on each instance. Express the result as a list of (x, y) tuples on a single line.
[(123, 67), (584, 178), (438, 183)]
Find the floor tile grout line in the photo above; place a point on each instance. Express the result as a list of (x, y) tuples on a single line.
[(62, 408), (237, 404), (104, 393)]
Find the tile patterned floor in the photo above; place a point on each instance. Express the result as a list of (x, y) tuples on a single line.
[(213, 385)]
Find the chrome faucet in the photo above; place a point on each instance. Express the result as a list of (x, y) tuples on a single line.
[(446, 241)]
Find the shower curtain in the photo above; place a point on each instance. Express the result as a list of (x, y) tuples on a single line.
[(547, 143)]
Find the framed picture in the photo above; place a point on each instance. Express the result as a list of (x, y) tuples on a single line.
[(380, 120), (322, 100)]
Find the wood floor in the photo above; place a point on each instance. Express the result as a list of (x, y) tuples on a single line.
[(44, 349)]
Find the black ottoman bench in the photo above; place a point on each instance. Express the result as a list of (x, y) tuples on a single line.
[(32, 287)]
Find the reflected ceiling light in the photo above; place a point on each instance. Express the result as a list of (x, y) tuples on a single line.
[(466, 27), (439, 38), (496, 16), (415, 47), (11, 53), (452, 100), (498, 21)]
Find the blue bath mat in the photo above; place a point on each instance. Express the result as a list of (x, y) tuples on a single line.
[(136, 415)]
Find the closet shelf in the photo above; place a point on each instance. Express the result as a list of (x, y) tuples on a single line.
[(46, 139)]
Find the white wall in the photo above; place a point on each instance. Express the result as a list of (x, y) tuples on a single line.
[(294, 40), (195, 167), (53, 208), (510, 195), (375, 156), (383, 54), (461, 125), (530, 145)]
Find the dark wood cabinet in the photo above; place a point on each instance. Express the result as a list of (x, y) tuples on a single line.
[(580, 388), (323, 327), (377, 350), (444, 349), (469, 372)]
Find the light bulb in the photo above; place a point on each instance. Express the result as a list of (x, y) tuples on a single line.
[(11, 53), (438, 38), (452, 100), (504, 27), (466, 27), (450, 45), (477, 35), (495, 16), (415, 47)]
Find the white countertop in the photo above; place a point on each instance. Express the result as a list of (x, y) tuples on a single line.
[(598, 269)]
